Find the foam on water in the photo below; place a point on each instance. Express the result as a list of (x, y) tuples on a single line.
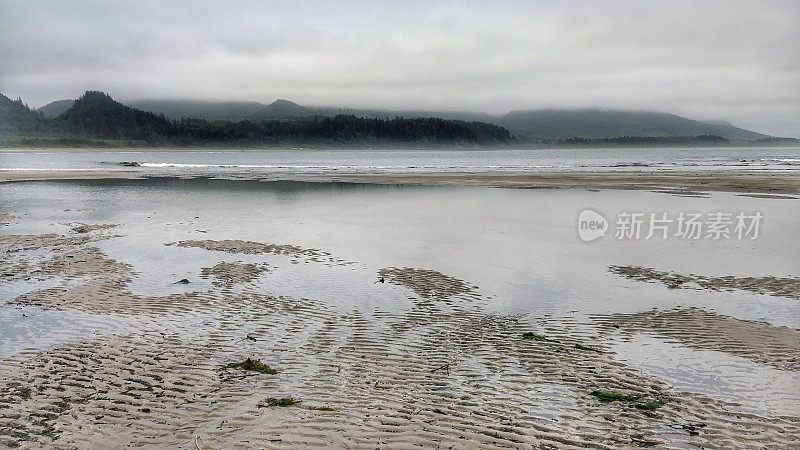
[(296, 161)]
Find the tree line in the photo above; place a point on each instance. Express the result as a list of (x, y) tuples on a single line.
[(97, 116), (643, 141)]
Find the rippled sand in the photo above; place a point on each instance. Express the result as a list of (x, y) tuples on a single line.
[(763, 343), (788, 287), (444, 372)]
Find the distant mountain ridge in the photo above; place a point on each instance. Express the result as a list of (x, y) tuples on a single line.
[(55, 109), (599, 123), (97, 116), (531, 126), (282, 109)]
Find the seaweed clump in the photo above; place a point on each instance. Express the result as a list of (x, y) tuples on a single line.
[(606, 397), (253, 365), (649, 406), (587, 348), (531, 336), (284, 401)]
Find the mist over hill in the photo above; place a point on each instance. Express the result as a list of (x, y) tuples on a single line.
[(597, 123), (56, 108), (282, 109), (529, 126), (199, 109), (96, 115), (191, 121)]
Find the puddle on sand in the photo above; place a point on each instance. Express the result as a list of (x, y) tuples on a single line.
[(24, 328), (755, 387)]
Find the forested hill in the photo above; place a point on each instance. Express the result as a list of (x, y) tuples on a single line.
[(285, 123), (552, 124), (97, 116), (542, 126), (17, 119), (280, 109), (56, 108)]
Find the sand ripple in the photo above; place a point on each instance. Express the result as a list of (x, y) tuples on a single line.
[(226, 273), (428, 284), (782, 287), (430, 375), (763, 343)]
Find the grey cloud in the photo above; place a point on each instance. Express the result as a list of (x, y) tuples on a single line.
[(731, 60)]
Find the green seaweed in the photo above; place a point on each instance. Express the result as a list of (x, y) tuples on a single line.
[(649, 406), (252, 365), (605, 396), (284, 401), (530, 336), (587, 348)]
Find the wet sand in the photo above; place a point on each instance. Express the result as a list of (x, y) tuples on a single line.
[(788, 287), (444, 372), (722, 182), (781, 185), (761, 342)]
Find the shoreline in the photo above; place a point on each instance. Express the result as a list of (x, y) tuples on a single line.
[(742, 182)]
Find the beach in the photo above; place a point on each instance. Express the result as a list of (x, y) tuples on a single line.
[(458, 225), (393, 310)]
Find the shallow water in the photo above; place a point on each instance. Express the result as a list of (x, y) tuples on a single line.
[(757, 388), (520, 247)]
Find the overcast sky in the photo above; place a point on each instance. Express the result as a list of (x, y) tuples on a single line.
[(729, 60)]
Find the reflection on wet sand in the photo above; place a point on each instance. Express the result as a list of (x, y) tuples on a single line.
[(255, 248), (763, 343), (360, 380), (482, 333)]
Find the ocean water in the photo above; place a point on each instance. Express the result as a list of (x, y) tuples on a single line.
[(298, 162)]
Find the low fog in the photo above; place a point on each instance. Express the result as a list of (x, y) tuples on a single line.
[(734, 61)]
